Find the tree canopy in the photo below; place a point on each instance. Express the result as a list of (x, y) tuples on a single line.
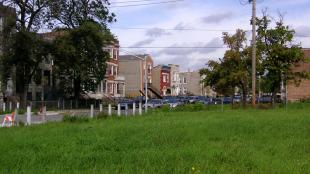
[(80, 56)]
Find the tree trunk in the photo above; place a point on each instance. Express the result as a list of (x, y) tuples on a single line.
[(244, 93), (23, 96), (77, 88), (274, 94)]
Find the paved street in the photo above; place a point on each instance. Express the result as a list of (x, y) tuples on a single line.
[(57, 116)]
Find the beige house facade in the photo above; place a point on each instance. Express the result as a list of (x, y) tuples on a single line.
[(132, 67), (190, 85), (175, 79)]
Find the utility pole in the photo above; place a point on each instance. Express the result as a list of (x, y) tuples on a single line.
[(253, 53)]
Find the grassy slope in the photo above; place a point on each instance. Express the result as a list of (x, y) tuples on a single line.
[(211, 142)]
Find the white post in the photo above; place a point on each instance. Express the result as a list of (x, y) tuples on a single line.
[(110, 110), (92, 111), (3, 107), (10, 106), (119, 110), (140, 108), (28, 115), (44, 114), (126, 110), (16, 117), (17, 105), (134, 109), (100, 107), (58, 104)]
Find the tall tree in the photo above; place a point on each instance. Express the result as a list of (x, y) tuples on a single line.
[(233, 70), (216, 77), (73, 13), (238, 57), (27, 48), (279, 55), (31, 14), (80, 57)]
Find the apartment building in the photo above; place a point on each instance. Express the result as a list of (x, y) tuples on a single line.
[(114, 85), (190, 84), (132, 67), (295, 93), (175, 79), (161, 79)]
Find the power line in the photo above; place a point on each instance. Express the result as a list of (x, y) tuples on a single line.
[(124, 2), (145, 4), (173, 29), (178, 47)]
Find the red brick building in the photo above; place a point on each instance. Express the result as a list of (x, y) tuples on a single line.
[(161, 79), (302, 91)]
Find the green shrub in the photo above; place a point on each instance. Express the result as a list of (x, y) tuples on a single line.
[(75, 119), (102, 115), (184, 108)]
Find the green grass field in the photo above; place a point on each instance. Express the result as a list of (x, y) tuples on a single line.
[(251, 141)]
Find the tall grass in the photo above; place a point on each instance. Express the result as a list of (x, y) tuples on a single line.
[(233, 141)]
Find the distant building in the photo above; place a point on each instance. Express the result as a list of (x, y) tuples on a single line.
[(161, 79), (175, 79), (132, 67), (113, 85), (190, 84), (302, 91)]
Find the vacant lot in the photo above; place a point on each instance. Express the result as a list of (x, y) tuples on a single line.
[(272, 141)]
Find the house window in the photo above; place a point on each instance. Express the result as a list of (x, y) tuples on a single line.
[(115, 71), (164, 79), (184, 80), (149, 69), (115, 54)]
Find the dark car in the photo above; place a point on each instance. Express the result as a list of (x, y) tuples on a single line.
[(126, 103), (154, 103), (265, 99)]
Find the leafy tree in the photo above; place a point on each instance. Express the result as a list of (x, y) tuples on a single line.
[(279, 55), (26, 54), (27, 49), (238, 59), (216, 77), (73, 13), (233, 70), (80, 57), (31, 15)]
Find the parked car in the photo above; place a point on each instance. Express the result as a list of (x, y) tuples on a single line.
[(237, 99), (154, 103), (173, 102), (264, 99), (126, 102), (217, 101)]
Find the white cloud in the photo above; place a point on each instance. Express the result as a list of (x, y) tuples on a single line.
[(190, 16)]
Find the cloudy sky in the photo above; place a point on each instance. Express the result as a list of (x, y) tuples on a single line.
[(194, 24)]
